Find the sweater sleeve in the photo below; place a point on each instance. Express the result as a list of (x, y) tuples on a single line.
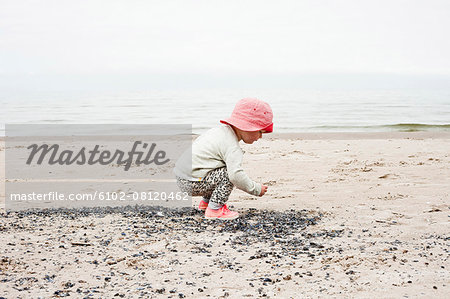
[(233, 159)]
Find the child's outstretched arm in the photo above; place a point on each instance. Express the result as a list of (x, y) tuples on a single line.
[(233, 160)]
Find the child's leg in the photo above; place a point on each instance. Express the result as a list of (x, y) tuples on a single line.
[(215, 187), (218, 187), (184, 185), (192, 188)]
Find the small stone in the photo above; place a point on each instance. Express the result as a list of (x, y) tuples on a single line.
[(68, 285), (61, 293), (160, 291)]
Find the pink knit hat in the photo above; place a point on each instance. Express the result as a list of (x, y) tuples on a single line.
[(251, 114)]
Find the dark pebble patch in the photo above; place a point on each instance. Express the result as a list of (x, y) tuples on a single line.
[(286, 233)]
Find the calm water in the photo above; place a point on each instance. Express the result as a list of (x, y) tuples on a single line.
[(294, 110)]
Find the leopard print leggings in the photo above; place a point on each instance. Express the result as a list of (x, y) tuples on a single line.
[(215, 186)]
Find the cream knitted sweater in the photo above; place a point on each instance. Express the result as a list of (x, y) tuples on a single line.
[(216, 148)]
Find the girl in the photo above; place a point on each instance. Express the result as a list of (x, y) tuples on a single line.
[(214, 166)]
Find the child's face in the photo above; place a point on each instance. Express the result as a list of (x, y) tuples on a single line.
[(250, 137)]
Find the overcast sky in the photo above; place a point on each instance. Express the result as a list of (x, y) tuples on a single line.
[(224, 37)]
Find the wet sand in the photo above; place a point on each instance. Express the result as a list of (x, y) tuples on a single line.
[(346, 215)]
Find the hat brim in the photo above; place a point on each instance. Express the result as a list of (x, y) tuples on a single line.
[(268, 129), (246, 126)]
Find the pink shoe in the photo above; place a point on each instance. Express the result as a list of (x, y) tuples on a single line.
[(202, 205), (222, 213)]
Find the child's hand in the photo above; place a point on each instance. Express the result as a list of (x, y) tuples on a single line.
[(263, 190)]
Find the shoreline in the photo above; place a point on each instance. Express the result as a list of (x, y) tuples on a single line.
[(348, 135), (360, 135)]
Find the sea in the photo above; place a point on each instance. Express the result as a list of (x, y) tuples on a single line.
[(295, 110)]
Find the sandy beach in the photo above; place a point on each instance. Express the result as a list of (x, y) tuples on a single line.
[(351, 215)]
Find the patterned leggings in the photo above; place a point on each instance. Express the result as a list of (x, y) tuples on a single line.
[(215, 186)]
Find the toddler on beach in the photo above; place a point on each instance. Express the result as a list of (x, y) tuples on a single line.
[(214, 167)]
